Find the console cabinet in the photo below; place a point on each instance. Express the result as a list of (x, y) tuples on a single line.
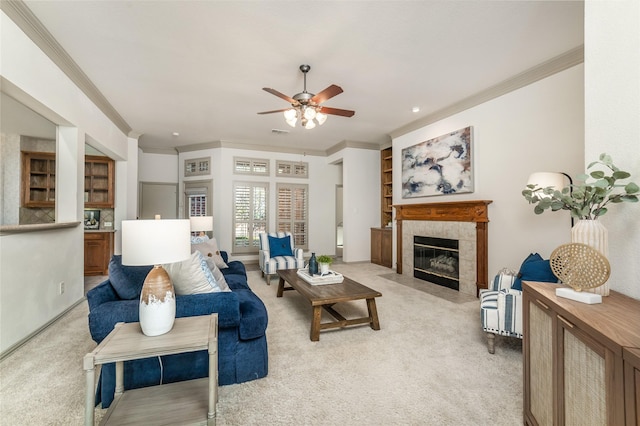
[(579, 365), (98, 249)]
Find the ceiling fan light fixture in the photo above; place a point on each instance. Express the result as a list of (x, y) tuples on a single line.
[(310, 124), (309, 112), (291, 117), (321, 118), (307, 106)]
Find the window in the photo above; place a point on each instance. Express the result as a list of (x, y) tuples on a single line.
[(293, 212), (251, 166), (292, 169), (197, 199), (196, 166), (249, 215)]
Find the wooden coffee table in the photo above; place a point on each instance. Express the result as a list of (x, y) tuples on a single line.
[(326, 295)]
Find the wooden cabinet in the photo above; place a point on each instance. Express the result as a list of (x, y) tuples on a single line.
[(381, 246), (386, 180), (632, 385), (98, 181), (574, 368), (98, 249), (38, 179)]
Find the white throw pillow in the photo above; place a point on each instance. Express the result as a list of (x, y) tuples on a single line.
[(188, 277), (217, 274), (209, 248)]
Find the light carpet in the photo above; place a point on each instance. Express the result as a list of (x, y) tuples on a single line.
[(428, 365)]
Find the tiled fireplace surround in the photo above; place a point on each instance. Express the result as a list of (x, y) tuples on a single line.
[(465, 221)]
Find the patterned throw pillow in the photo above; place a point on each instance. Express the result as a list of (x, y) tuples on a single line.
[(188, 276), (209, 248)]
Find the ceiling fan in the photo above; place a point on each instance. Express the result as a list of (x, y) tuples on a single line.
[(307, 106)]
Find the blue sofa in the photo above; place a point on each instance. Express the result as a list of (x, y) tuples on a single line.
[(242, 324)]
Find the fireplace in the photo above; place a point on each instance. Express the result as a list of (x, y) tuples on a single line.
[(465, 221), (436, 260)]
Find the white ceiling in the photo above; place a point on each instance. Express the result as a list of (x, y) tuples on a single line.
[(198, 67)]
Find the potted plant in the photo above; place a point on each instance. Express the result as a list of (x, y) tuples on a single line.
[(324, 261), (586, 202)]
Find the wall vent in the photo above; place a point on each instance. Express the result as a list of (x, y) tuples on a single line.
[(280, 131)]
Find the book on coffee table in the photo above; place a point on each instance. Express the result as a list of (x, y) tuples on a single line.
[(329, 278)]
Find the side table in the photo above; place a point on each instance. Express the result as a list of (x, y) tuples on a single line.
[(170, 404)]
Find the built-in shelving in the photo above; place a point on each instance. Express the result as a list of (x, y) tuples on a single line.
[(98, 182), (386, 169), (38, 179)]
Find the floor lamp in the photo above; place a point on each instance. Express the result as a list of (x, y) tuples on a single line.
[(154, 242)]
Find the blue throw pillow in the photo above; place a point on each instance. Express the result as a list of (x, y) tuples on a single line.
[(280, 246), (127, 280), (534, 268)]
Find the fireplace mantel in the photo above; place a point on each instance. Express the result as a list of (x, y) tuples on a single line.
[(455, 211)]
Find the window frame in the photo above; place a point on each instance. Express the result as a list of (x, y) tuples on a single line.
[(254, 226), (254, 164), (291, 221), (292, 166), (202, 166)]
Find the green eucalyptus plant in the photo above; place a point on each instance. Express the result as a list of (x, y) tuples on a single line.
[(588, 200)]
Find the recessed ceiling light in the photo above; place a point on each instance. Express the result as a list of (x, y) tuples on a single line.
[(175, 134), (415, 109)]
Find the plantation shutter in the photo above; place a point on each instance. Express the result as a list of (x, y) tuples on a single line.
[(249, 215), (293, 212)]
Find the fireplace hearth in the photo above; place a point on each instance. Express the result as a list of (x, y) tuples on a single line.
[(436, 260)]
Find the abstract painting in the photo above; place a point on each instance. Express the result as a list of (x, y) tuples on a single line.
[(439, 166)]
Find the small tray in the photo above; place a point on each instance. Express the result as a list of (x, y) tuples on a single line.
[(330, 278)]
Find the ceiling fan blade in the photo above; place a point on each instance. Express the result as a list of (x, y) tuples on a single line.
[(275, 110), (326, 94), (338, 111), (280, 95)]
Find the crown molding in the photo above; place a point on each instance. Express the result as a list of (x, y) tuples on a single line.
[(199, 146), (352, 144), (555, 65), (22, 16)]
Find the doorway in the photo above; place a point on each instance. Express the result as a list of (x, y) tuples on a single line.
[(158, 199)]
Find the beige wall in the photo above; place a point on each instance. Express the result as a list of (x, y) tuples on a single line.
[(612, 111), (536, 128), (33, 264)]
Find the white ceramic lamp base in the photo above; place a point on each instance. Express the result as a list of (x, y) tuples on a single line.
[(157, 303), (579, 296)]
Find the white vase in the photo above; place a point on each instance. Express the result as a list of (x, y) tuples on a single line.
[(157, 303), (594, 234), (324, 268)]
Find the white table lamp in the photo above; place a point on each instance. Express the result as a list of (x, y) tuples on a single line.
[(201, 224), (154, 242)]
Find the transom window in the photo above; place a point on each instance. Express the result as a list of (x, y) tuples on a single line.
[(292, 169), (251, 166)]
